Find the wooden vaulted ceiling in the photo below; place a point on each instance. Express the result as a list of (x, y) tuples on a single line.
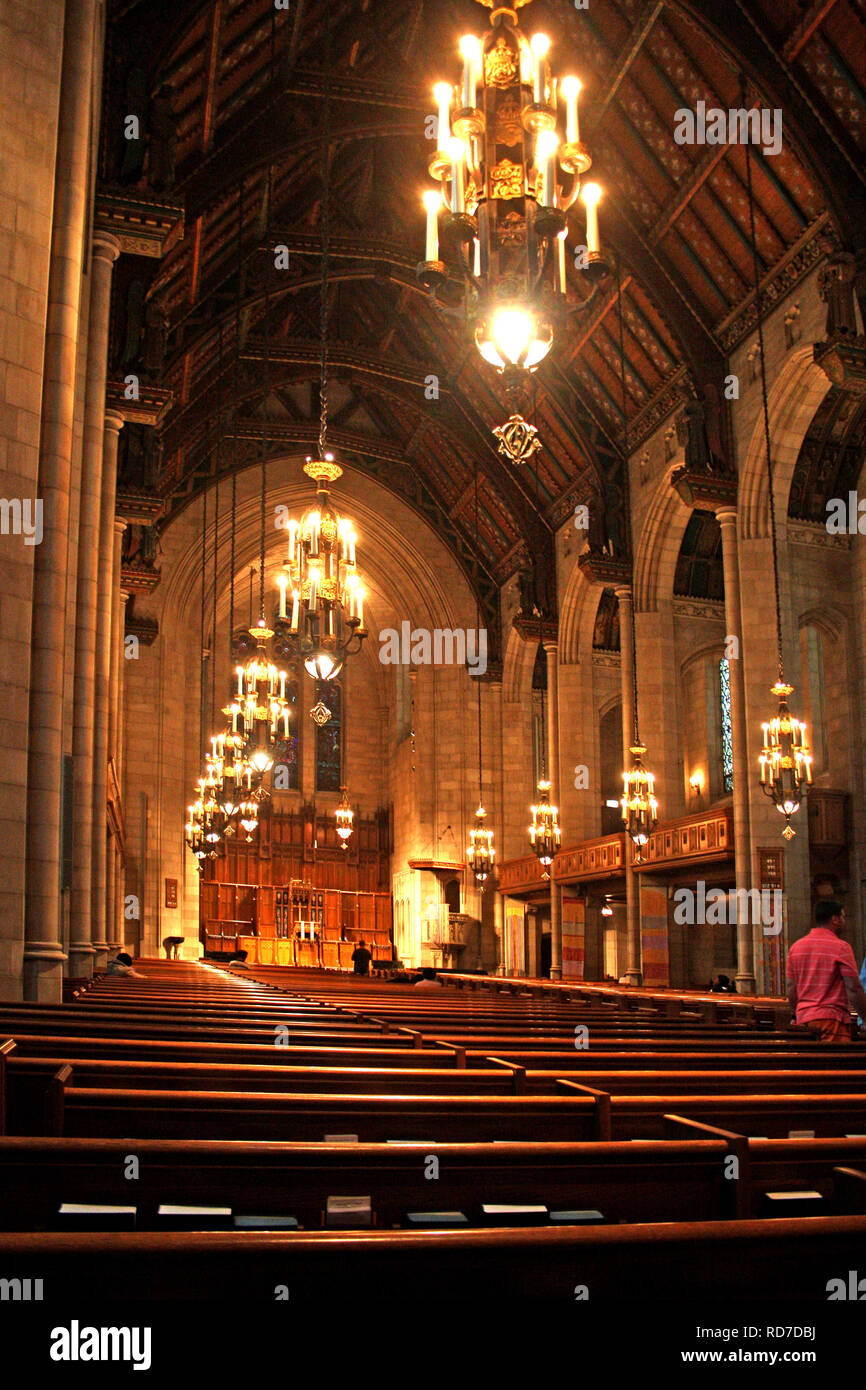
[(247, 83)]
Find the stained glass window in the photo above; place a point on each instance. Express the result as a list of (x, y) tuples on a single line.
[(329, 738), (727, 739), (287, 753)]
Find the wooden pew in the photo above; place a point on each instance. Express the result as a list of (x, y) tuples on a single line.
[(180, 1050), (92, 1111), (657, 1180), (746, 1262)]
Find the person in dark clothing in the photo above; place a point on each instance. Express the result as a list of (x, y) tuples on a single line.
[(361, 958), (723, 985)]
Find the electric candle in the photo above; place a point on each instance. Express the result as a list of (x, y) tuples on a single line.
[(458, 196), (540, 45), (471, 50), (442, 93), (590, 195), (571, 90), (431, 203)]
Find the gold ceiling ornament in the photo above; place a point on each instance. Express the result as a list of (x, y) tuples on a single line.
[(518, 440), (507, 168), (320, 714)]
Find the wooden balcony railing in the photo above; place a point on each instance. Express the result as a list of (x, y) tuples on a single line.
[(709, 835)]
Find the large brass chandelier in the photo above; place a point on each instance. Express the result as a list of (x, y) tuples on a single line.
[(545, 835), (509, 168), (320, 581), (640, 809), (785, 760)]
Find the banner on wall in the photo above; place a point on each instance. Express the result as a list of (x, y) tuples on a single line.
[(514, 913), (654, 936), (573, 937)]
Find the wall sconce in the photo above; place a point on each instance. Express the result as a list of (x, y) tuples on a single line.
[(696, 782), (606, 910)]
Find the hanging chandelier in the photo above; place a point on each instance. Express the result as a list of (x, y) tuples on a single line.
[(480, 851), (786, 763), (509, 168), (260, 710), (345, 817), (640, 809), (320, 580), (545, 835)]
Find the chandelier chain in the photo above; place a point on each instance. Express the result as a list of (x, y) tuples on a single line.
[(201, 693), (267, 392), (216, 520), (759, 311), (236, 392), (478, 625), (326, 229), (623, 387)]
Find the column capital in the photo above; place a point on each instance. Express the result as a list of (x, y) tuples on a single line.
[(114, 421), (624, 593), (727, 515), (119, 525), (550, 645), (105, 247)]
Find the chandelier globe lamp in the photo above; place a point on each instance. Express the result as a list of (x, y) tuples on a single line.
[(508, 163)]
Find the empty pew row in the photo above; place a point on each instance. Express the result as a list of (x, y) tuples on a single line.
[(678, 1179), (779, 1261)]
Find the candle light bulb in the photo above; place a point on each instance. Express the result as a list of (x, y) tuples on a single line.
[(470, 48), (571, 87), (442, 95), (431, 203), (457, 152), (540, 45), (590, 194)]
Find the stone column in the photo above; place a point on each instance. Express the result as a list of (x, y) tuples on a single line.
[(626, 658), (81, 948), (551, 652), (727, 519), (114, 920), (102, 894), (43, 949)]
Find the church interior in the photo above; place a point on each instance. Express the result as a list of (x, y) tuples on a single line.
[(433, 639)]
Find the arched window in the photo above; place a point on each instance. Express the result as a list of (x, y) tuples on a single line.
[(727, 740), (329, 738)]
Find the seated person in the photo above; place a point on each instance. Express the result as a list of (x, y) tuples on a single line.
[(428, 979), (723, 985), (361, 958), (122, 965), (239, 962)]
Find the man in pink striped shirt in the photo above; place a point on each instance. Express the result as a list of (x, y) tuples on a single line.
[(822, 981)]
